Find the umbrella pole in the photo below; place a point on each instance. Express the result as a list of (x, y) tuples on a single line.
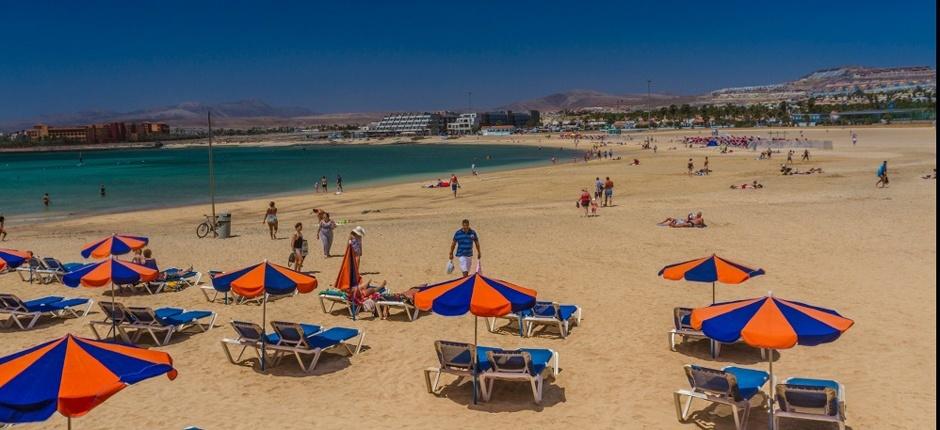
[(264, 316), (713, 292), (70, 422), (711, 343), (473, 360), (113, 324), (770, 360)]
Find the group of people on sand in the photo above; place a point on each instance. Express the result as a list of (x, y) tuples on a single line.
[(787, 170), (791, 153), (691, 220), (325, 227), (746, 186), (603, 191), (704, 171), (453, 183)]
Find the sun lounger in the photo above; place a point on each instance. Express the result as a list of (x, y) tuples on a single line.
[(30, 311), (166, 320), (385, 305), (551, 314), (115, 317), (731, 386), (295, 340), (810, 399), (454, 359), (173, 278), (682, 328), (249, 337), (54, 269), (521, 365), (32, 271), (211, 292), (336, 297)]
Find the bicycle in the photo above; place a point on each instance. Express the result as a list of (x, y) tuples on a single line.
[(203, 229)]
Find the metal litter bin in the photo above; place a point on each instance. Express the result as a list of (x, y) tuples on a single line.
[(224, 225)]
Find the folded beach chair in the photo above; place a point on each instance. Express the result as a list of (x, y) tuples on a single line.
[(732, 386), (250, 336), (682, 323), (166, 320), (521, 365), (810, 399), (551, 314), (295, 340), (26, 314)]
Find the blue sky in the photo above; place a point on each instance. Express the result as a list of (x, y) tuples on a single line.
[(60, 57)]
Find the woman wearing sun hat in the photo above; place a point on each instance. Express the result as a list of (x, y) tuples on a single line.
[(355, 241)]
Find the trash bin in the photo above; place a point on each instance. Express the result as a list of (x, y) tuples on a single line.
[(224, 225)]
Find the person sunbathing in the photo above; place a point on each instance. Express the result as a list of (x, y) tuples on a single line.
[(677, 222), (365, 294), (745, 186), (407, 296)]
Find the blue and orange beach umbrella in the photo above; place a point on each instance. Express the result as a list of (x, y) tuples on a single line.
[(111, 271), (478, 295), (72, 375), (116, 244), (10, 258), (709, 269), (770, 323), (265, 279)]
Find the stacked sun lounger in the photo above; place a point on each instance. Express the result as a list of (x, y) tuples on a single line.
[(291, 339), (25, 314)]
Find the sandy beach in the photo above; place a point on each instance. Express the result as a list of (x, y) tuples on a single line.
[(833, 240)]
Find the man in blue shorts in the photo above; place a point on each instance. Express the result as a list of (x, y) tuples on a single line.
[(464, 241)]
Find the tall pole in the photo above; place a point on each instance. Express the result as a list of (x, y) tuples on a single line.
[(211, 176), (649, 105), (469, 102)]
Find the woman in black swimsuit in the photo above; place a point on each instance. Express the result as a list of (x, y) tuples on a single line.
[(297, 246)]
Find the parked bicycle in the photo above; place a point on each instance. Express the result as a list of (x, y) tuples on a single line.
[(207, 226)]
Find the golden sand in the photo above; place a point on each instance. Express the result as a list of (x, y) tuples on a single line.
[(832, 240)]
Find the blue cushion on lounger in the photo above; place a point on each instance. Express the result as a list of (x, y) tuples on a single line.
[(811, 400), (332, 336), (749, 380), (540, 358), (184, 317), (65, 304), (167, 312), (37, 305)]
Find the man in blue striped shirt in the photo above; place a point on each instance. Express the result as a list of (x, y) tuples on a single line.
[(464, 241)]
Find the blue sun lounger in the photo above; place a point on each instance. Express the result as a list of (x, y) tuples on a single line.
[(295, 341), (166, 320), (454, 359), (810, 399), (551, 314), (25, 314), (732, 386)]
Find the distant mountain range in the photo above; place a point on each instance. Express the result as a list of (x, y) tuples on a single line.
[(821, 83), (256, 113)]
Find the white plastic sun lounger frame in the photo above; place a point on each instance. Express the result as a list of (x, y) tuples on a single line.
[(409, 309), (838, 419), (155, 327), (537, 382), (740, 418), (529, 322), (280, 349)]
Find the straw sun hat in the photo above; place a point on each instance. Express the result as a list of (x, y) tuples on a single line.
[(359, 231)]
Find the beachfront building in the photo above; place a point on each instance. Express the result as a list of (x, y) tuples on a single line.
[(99, 133), (466, 123), (498, 130), (416, 124), (528, 119)]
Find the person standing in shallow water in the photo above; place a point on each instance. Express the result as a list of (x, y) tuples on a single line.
[(324, 184), (339, 183), (45, 199)]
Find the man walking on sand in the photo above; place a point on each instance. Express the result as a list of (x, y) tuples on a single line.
[(454, 184), (464, 241), (608, 192), (691, 167)]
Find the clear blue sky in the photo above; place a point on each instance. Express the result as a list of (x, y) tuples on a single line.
[(335, 56)]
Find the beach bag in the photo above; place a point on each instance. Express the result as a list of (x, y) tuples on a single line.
[(303, 248), (450, 267), (291, 258)]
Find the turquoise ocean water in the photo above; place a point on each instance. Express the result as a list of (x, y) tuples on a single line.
[(136, 179)]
